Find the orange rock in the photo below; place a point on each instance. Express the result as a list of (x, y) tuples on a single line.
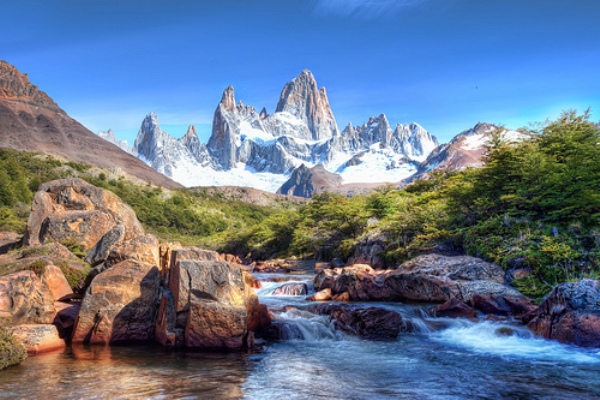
[(342, 297), (323, 295), (56, 282), (24, 299), (120, 305), (39, 338), (74, 209)]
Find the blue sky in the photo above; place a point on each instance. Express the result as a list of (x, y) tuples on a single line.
[(445, 64)]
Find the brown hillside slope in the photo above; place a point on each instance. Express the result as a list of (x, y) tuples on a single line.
[(31, 121)]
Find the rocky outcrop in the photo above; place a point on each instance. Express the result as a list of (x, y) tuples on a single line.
[(306, 182), (143, 249), (9, 241), (72, 209), (430, 278), (120, 305), (291, 289), (39, 338), (207, 304), (570, 313), (24, 299), (372, 323)]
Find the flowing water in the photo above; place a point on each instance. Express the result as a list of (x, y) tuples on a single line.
[(443, 359)]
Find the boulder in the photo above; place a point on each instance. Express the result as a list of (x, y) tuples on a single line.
[(98, 254), (322, 295), (431, 278), (24, 299), (38, 338), (373, 323), (76, 210), (209, 303), (143, 249), (120, 305), (291, 289), (55, 280), (454, 308), (341, 297), (570, 313)]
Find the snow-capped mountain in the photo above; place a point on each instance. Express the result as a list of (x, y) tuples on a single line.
[(248, 148), (109, 136), (466, 149)]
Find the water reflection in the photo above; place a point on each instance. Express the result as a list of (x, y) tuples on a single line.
[(144, 372)]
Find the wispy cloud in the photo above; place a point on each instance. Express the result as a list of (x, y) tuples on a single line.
[(367, 9)]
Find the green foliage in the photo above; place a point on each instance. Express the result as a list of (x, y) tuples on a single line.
[(75, 277), (38, 266), (74, 247), (11, 351)]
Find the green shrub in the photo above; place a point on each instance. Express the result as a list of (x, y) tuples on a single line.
[(74, 247), (11, 351)]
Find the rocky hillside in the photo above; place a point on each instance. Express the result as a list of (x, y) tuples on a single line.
[(31, 121)]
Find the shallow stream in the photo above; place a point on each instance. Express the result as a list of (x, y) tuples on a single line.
[(444, 359)]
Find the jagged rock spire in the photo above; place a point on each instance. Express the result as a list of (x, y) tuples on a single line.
[(302, 98)]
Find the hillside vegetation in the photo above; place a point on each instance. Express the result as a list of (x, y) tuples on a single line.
[(534, 206), (189, 216)]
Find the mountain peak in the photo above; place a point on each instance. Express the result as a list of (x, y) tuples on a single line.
[(16, 86), (228, 99), (302, 98)]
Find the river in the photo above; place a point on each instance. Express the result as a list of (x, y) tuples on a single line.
[(443, 359)]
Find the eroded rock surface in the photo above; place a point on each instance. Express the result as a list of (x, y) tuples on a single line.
[(72, 209), (24, 299), (120, 305), (570, 314)]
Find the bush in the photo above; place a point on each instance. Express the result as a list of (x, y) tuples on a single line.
[(11, 351)]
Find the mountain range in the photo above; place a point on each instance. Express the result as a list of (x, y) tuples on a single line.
[(297, 150), (266, 150)]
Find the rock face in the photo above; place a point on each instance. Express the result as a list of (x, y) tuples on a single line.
[(208, 303), (39, 338), (570, 314), (120, 305), (24, 299), (371, 323), (74, 209), (430, 278), (302, 98), (25, 108)]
